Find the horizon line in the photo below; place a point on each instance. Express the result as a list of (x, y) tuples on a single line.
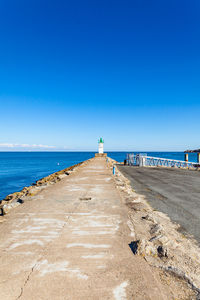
[(93, 151)]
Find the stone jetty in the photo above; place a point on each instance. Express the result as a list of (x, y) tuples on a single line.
[(75, 239)]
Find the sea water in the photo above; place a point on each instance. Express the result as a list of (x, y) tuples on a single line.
[(20, 169)]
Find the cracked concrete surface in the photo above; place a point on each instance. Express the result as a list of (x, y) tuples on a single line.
[(56, 246)]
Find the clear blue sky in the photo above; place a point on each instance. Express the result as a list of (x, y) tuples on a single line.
[(72, 71)]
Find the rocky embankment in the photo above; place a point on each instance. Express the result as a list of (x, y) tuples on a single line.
[(157, 238), (17, 198)]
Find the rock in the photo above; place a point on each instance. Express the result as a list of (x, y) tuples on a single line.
[(156, 229), (9, 197), (134, 246), (137, 206), (161, 252), (146, 248), (21, 201), (6, 208), (148, 217), (155, 237)]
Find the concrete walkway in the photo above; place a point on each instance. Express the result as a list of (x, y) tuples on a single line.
[(71, 242)]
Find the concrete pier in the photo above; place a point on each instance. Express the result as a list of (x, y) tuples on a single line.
[(71, 241)]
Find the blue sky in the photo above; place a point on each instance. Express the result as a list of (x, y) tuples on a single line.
[(72, 71)]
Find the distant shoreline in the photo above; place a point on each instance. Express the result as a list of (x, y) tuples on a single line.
[(192, 151)]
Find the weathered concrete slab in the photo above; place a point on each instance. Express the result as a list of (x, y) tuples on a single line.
[(71, 242)]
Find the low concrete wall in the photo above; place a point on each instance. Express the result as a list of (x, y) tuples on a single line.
[(100, 154)]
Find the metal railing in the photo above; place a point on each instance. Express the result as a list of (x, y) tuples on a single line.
[(143, 160)]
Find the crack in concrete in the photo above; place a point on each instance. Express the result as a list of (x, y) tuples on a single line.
[(27, 280), (38, 262)]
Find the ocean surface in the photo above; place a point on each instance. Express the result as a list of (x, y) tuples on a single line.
[(20, 169)]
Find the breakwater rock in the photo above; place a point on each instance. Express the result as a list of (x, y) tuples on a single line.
[(17, 198)]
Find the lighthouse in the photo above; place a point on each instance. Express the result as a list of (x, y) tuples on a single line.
[(100, 149), (101, 142)]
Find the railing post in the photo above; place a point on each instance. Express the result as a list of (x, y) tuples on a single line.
[(114, 170), (127, 159), (198, 157), (140, 161)]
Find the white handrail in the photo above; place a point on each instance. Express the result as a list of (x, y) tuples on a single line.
[(144, 160), (169, 159)]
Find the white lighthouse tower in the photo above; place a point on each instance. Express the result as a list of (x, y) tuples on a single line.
[(101, 142)]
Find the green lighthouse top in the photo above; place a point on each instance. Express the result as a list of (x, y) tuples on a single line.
[(101, 140)]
